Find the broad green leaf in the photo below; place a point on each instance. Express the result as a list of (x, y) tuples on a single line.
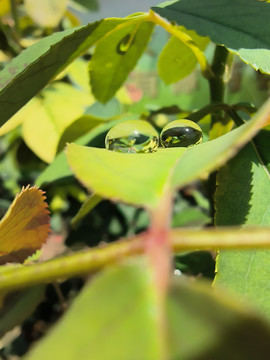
[(203, 325), (177, 60), (46, 118), (115, 56), (18, 307), (25, 226), (46, 13), (137, 179), (118, 307), (30, 71), (140, 179), (239, 25), (242, 198)]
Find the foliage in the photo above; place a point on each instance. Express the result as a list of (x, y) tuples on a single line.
[(157, 214)]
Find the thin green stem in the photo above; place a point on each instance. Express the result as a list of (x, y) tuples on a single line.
[(15, 277), (14, 11), (18, 276), (217, 90), (236, 118)]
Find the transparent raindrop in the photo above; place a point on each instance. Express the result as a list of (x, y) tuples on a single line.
[(181, 133), (132, 136)]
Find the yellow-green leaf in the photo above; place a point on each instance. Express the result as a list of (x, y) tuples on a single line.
[(141, 179), (177, 60), (46, 13), (48, 116)]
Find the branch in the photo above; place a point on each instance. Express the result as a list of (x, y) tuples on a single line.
[(13, 277)]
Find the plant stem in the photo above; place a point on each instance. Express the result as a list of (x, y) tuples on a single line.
[(17, 276), (217, 89), (15, 16), (157, 248), (216, 82)]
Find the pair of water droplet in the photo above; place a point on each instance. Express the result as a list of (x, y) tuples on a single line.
[(138, 136)]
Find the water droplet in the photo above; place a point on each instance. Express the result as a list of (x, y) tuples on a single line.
[(132, 136), (181, 133), (124, 44)]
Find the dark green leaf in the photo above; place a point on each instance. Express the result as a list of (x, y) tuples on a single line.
[(18, 307), (91, 5), (242, 198), (240, 25), (206, 326)]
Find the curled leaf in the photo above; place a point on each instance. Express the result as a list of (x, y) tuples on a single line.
[(25, 226)]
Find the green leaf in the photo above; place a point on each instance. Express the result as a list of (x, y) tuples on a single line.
[(29, 72), (115, 56), (119, 307), (137, 179), (203, 325), (121, 303), (177, 60), (91, 5), (18, 307), (190, 216), (245, 34), (86, 207), (141, 179), (242, 198)]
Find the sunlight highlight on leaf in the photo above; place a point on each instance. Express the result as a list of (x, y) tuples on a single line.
[(25, 226)]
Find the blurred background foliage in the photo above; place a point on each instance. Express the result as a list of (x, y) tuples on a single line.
[(66, 110)]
